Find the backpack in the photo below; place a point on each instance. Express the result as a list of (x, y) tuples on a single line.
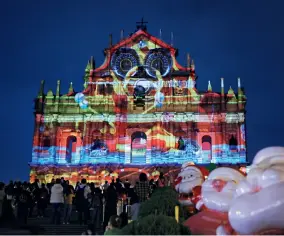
[(80, 195), (96, 201)]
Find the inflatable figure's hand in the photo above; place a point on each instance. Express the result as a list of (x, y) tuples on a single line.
[(225, 229), (196, 191), (178, 180)]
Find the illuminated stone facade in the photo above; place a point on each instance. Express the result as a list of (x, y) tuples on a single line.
[(138, 110)]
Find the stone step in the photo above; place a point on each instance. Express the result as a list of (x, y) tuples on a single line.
[(63, 229), (72, 229)]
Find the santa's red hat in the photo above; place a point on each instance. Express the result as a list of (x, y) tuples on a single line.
[(202, 170), (188, 166), (226, 173)]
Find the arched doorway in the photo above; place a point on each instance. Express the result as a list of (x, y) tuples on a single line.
[(233, 143), (138, 147), (46, 142), (70, 148), (206, 148)]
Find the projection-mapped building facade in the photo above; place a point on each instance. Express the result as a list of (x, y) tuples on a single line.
[(138, 110)]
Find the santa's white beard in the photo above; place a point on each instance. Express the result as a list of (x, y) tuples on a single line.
[(186, 187), (218, 201), (254, 212)]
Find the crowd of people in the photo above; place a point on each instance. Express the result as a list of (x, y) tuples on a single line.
[(106, 206)]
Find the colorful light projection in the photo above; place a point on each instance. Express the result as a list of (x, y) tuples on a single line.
[(153, 146), (140, 108), (81, 100)]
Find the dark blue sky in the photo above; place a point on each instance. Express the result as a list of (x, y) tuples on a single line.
[(53, 40)]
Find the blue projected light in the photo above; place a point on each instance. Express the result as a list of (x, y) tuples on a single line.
[(123, 60), (81, 100), (158, 59), (79, 97), (192, 152), (84, 104), (41, 128), (142, 44), (159, 99)]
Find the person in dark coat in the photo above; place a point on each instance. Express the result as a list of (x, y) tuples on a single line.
[(8, 218), (97, 210), (42, 200), (23, 206), (111, 203)]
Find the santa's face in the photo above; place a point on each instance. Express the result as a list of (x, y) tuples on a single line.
[(217, 194), (189, 178), (219, 189), (259, 203)]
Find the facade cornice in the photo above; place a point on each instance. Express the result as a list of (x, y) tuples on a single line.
[(145, 118)]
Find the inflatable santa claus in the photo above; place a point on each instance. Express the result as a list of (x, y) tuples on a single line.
[(188, 181), (259, 204), (217, 193)]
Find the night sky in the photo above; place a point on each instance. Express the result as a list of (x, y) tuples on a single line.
[(51, 40)]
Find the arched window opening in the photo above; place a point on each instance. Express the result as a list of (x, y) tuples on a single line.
[(181, 144), (46, 142), (97, 144), (101, 89), (233, 143), (109, 89), (71, 148), (139, 96), (138, 147), (206, 147)]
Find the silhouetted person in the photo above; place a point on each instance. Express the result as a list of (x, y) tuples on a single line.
[(8, 217), (153, 186), (42, 201), (23, 206), (57, 200), (2, 195), (127, 184), (97, 210), (111, 203), (135, 206), (118, 186), (162, 180), (82, 203), (142, 188), (105, 186), (68, 205)]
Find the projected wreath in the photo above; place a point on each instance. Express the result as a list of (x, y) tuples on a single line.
[(143, 85)]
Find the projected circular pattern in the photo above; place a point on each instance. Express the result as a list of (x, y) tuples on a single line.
[(41, 128), (159, 96), (123, 60), (158, 59), (142, 87)]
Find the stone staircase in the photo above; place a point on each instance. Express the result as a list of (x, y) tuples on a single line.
[(63, 229), (72, 229)]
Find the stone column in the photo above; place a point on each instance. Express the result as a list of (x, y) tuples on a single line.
[(127, 148)]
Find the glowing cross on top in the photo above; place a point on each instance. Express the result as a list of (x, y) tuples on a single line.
[(142, 24)]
